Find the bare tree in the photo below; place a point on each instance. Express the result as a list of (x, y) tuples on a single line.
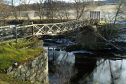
[(63, 11), (80, 6), (118, 10), (40, 9), (26, 10), (13, 10), (49, 8), (4, 11), (58, 10), (110, 30)]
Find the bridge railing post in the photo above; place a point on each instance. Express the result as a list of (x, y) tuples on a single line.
[(15, 33), (32, 28)]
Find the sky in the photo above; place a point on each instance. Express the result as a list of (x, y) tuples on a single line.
[(16, 2)]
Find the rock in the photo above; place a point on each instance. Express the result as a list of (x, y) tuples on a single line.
[(28, 73), (33, 63), (10, 69), (23, 70)]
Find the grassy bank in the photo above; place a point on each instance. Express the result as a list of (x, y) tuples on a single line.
[(20, 52)]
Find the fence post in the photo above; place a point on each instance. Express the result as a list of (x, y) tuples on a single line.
[(32, 28), (15, 29)]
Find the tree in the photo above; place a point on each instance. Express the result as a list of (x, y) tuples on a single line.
[(110, 30), (25, 4), (49, 6), (14, 12), (80, 6), (63, 10), (118, 10), (40, 9), (4, 11)]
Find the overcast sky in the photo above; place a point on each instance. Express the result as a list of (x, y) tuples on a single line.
[(16, 2)]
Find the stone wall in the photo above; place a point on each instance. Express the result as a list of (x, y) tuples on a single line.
[(35, 71)]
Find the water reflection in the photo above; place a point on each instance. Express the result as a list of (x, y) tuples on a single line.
[(66, 68), (110, 72), (104, 72)]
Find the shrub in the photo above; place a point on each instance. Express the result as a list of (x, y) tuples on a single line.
[(109, 31)]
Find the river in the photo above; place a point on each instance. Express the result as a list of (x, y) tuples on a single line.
[(63, 68)]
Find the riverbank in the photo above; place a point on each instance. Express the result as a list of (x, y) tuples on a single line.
[(25, 54), (19, 52)]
